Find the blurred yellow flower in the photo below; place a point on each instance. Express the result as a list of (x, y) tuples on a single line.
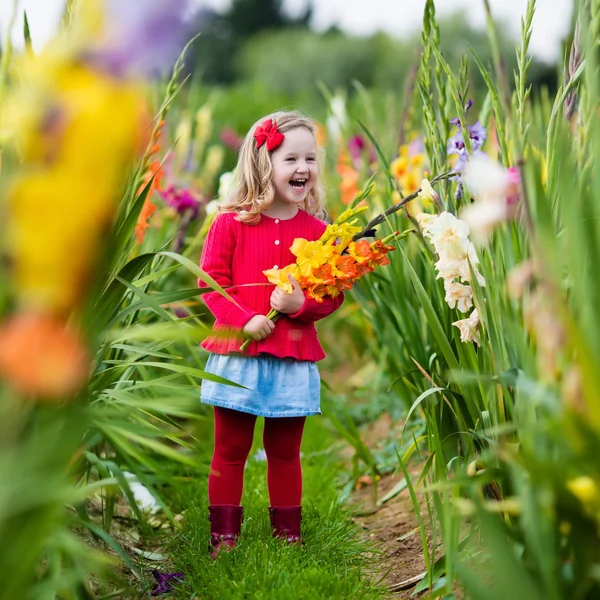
[(62, 202), (407, 170), (584, 488)]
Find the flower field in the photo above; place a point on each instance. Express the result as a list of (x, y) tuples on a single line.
[(470, 220)]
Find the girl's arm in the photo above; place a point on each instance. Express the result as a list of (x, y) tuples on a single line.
[(313, 311), (217, 257)]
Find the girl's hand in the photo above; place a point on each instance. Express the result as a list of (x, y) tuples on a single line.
[(285, 303), (259, 327)]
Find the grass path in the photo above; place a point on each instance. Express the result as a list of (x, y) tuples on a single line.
[(333, 563)]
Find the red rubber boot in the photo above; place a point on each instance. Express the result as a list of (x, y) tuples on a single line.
[(285, 521), (225, 525)]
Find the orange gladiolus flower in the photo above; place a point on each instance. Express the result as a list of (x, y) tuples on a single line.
[(360, 251), (143, 220), (349, 185), (156, 170), (344, 267)]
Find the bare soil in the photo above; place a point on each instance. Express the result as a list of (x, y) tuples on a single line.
[(393, 525)]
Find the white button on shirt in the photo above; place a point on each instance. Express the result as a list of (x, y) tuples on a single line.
[(276, 266), (277, 242), (276, 220)]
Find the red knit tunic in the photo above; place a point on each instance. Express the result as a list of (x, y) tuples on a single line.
[(235, 255)]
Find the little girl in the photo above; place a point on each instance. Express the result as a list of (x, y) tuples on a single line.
[(276, 198)]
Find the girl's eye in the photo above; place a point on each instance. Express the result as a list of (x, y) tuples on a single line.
[(290, 159), (311, 159)]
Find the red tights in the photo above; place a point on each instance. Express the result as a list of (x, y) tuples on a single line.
[(234, 434)]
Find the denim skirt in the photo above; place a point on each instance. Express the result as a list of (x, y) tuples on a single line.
[(273, 387)]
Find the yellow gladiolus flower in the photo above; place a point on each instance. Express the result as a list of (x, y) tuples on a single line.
[(310, 255), (349, 213), (279, 277), (343, 232)]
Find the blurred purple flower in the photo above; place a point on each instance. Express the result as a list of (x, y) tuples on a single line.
[(143, 38), (416, 146), (182, 200), (164, 582), (180, 312)]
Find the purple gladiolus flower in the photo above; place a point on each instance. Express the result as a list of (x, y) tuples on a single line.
[(142, 38), (477, 134), (456, 144), (164, 582)]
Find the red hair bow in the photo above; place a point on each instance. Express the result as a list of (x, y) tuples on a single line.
[(267, 132)]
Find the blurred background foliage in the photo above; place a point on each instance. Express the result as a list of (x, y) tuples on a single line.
[(256, 41)]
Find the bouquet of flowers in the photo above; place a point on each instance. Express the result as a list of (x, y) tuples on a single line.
[(331, 264)]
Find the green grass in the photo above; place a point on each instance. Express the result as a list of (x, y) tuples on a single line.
[(334, 563)]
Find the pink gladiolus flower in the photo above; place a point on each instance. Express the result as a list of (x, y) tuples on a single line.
[(231, 139), (182, 200)]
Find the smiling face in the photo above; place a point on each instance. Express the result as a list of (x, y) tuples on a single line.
[(295, 169)]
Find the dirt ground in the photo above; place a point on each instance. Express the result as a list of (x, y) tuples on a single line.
[(393, 525)]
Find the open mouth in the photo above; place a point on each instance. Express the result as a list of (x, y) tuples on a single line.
[(298, 184)]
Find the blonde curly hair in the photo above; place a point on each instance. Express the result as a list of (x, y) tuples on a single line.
[(252, 190)]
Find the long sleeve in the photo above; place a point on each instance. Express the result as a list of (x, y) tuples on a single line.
[(217, 260), (313, 311)]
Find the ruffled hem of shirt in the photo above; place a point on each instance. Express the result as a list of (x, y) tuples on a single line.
[(232, 346)]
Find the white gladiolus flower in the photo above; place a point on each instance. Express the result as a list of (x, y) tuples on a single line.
[(225, 182), (465, 273), (468, 326), (211, 207), (486, 179), (427, 192), (449, 227), (457, 264), (336, 122), (458, 294), (483, 217), (449, 268), (449, 235), (425, 221), (496, 192)]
